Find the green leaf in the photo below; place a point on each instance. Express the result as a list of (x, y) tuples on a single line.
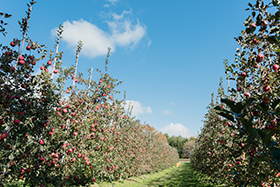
[(251, 131), (253, 14), (231, 105), (267, 138), (218, 108), (275, 104), (275, 3), (264, 107), (261, 158), (249, 101), (259, 20), (227, 116), (7, 15), (276, 154)]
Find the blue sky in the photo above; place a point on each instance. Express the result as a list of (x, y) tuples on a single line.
[(169, 54)]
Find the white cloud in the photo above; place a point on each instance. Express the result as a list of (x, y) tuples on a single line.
[(149, 43), (167, 112), (117, 17), (95, 41), (137, 109), (126, 34), (176, 130), (172, 103), (122, 33)]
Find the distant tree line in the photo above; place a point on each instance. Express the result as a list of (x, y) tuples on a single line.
[(183, 145)]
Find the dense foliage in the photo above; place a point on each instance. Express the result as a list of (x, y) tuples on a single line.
[(239, 143), (58, 128), (178, 142)]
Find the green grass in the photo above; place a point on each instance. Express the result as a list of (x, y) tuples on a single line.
[(181, 176)]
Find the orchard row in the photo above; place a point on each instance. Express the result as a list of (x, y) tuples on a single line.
[(239, 143), (61, 135)]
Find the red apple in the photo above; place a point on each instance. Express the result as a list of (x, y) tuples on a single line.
[(247, 94), (266, 88), (253, 25), (260, 57), (8, 146), (55, 71), (243, 74), (4, 135), (28, 47), (12, 44), (257, 66), (264, 23), (67, 91), (42, 67), (21, 62), (41, 142), (76, 80), (49, 62), (275, 67), (255, 41)]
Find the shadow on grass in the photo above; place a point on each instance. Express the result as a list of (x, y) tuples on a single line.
[(15, 184), (182, 177)]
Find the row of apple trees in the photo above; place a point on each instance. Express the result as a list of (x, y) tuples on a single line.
[(61, 129), (239, 143)]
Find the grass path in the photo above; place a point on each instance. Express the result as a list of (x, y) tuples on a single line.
[(182, 176)]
